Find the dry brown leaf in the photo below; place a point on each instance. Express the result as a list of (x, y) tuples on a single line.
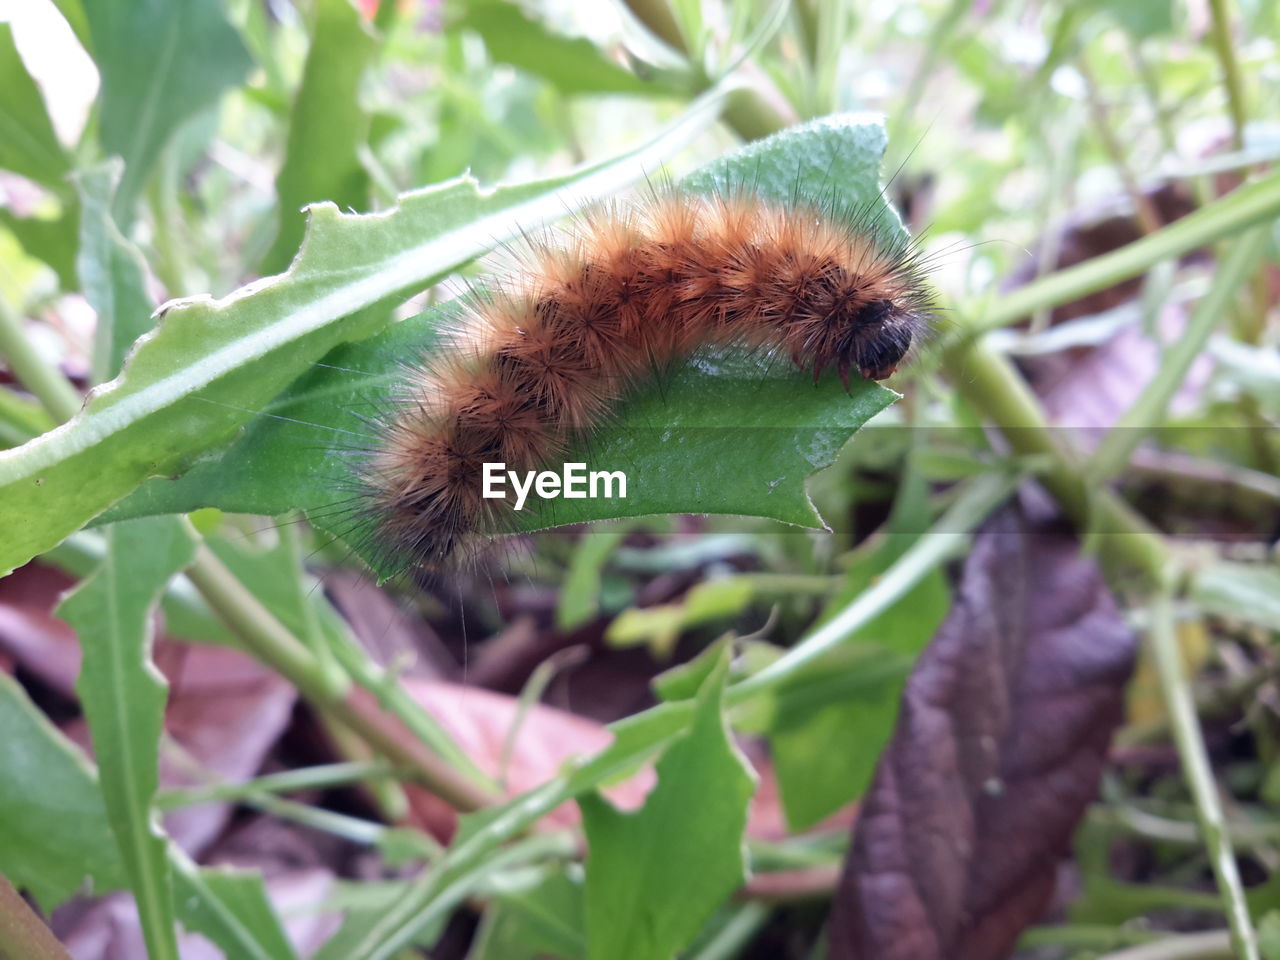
[(1004, 729)]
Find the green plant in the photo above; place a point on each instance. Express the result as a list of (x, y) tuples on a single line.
[(235, 406)]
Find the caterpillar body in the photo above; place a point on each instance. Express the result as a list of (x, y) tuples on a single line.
[(586, 315)]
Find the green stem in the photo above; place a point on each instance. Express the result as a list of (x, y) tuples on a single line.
[(748, 111), (530, 695), (1148, 410), (23, 935), (21, 419), (657, 17), (48, 384), (752, 115), (807, 19), (170, 263), (738, 931), (1226, 52), (945, 540), (308, 778), (269, 640), (1188, 737), (1248, 205), (352, 829), (1151, 87), (988, 381), (1245, 834), (1144, 211), (392, 696)]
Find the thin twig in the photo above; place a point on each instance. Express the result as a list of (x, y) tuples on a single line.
[(1144, 211), (50, 387), (271, 642), (1189, 738), (1226, 52), (23, 935)]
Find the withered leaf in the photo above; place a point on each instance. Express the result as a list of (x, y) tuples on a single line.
[(1001, 739)]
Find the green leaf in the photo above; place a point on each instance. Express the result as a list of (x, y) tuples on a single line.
[(672, 439), (1254, 369), (54, 835), (53, 827), (833, 721), (580, 593), (327, 127), (53, 240), (683, 681), (656, 875), (1249, 592), (113, 274), (531, 920), (361, 935), (660, 626), (160, 61), (28, 144), (21, 418), (571, 64), (231, 908), (123, 696), (1269, 935), (209, 365)]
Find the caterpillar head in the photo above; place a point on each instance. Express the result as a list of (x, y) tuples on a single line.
[(879, 336)]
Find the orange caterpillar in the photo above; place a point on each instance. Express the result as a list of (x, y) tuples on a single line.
[(582, 320)]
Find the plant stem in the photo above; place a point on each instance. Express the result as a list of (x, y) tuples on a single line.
[(50, 387), (271, 642), (1250, 204), (1245, 834), (1151, 87), (656, 15), (989, 382), (1188, 737), (1148, 410), (1207, 477), (748, 111), (789, 886), (308, 778), (23, 935), (944, 540), (732, 938), (21, 419), (351, 829), (1144, 211), (1226, 52)]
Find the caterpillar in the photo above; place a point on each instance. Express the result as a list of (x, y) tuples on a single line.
[(585, 315)]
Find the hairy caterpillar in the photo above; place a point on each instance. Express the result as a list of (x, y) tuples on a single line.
[(585, 316)]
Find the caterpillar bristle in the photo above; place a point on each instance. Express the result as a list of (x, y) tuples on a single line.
[(584, 315)]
